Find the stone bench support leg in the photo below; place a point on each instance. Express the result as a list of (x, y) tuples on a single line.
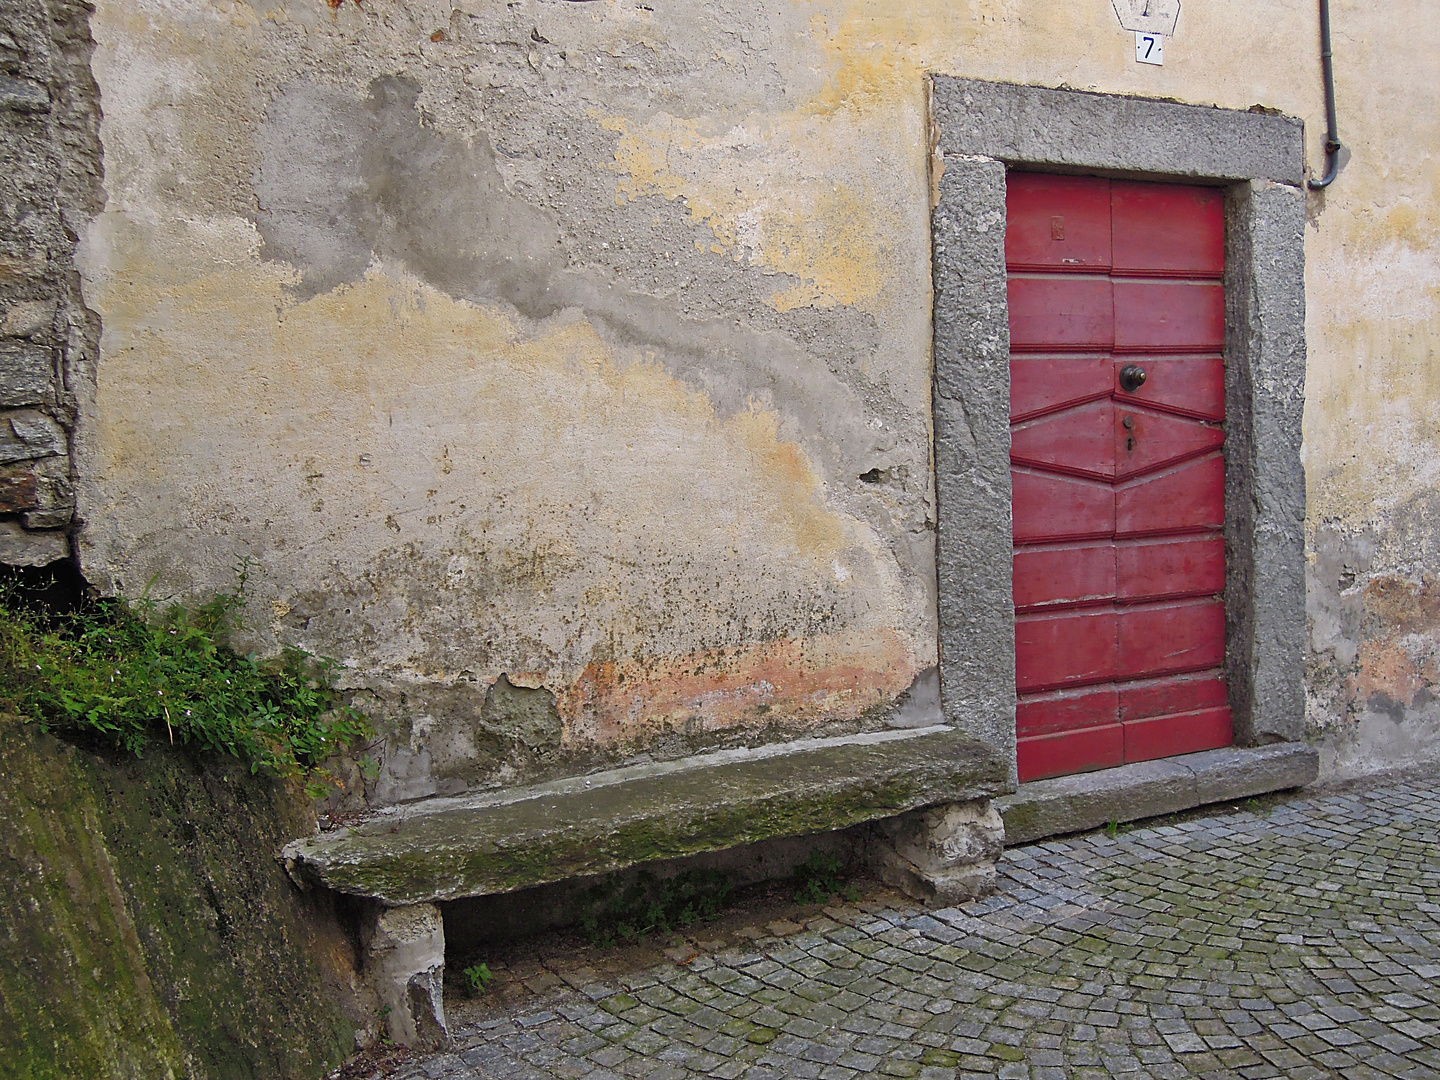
[(406, 959), (943, 855)]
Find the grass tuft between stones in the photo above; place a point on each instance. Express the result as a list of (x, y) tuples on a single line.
[(124, 672)]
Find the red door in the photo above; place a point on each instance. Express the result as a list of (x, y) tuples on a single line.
[(1117, 322)]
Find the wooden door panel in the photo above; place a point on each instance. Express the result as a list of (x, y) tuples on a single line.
[(1048, 507), (1176, 694), (1165, 316), (1066, 710), (1168, 229), (1194, 385), (1063, 575), (1154, 569), (1188, 497), (1057, 221), (1060, 312), (1187, 733), (1075, 440), (1153, 440), (1070, 752), (1041, 383), (1068, 649), (1184, 636)]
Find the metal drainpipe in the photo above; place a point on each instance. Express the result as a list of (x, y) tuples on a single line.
[(1332, 133)]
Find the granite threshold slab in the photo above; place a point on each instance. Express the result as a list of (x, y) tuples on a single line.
[(1069, 804)]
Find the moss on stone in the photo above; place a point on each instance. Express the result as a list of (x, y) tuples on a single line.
[(456, 851), (148, 931), (1020, 819), (74, 991)]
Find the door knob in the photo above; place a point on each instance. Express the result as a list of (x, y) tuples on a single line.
[(1132, 377)]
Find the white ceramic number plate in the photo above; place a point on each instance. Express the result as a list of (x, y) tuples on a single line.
[(1149, 48)]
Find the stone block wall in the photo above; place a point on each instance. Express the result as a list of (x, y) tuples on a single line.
[(49, 186)]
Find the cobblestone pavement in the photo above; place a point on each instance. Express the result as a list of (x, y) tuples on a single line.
[(1300, 941)]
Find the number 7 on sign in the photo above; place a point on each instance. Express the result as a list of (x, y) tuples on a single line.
[(1149, 48)]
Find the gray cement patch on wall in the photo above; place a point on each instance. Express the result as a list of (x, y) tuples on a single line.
[(343, 180), (984, 127)]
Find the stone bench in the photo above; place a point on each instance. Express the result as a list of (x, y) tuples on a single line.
[(939, 837)]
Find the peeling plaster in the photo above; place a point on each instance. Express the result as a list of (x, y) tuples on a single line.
[(566, 339)]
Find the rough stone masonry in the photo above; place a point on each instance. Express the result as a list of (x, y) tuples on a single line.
[(49, 341)]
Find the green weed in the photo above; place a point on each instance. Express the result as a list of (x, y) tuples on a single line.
[(127, 672), (617, 914), (821, 878), (477, 978)]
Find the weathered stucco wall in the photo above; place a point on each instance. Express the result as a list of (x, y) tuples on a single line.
[(1372, 427), (589, 344)]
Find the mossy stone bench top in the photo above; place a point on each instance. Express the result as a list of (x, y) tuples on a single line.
[(451, 847)]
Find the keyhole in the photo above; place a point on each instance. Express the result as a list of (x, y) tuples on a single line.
[(1129, 425)]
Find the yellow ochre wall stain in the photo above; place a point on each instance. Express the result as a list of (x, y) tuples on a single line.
[(838, 241)]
